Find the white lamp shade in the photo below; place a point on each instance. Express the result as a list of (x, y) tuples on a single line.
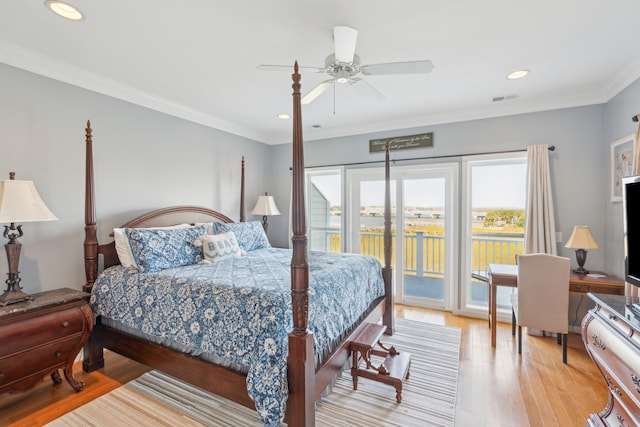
[(20, 202), (581, 238), (266, 206)]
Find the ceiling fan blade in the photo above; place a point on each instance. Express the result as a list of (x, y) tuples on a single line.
[(365, 89), (267, 67), (344, 42), (411, 67), (316, 91)]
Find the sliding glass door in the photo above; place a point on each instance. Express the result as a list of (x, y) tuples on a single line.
[(494, 203), (437, 244), (423, 210)]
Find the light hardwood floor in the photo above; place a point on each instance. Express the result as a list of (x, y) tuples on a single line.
[(496, 387)]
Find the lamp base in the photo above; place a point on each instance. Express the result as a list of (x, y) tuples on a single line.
[(581, 270), (14, 292), (581, 257), (13, 296)]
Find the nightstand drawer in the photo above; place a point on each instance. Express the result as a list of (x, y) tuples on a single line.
[(41, 360), (35, 330)]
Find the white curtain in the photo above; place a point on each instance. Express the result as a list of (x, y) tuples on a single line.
[(630, 290), (540, 227)]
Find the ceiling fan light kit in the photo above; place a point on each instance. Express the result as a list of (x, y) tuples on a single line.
[(343, 66)]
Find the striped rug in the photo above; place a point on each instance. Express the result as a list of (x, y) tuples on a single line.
[(428, 396)]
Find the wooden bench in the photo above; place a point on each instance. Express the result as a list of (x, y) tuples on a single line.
[(393, 369)]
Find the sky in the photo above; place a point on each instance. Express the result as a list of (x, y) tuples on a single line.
[(494, 186)]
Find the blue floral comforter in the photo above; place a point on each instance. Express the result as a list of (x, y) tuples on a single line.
[(240, 309)]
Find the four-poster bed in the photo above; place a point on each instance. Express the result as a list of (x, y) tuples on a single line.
[(309, 367)]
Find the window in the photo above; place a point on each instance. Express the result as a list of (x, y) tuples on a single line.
[(324, 205)]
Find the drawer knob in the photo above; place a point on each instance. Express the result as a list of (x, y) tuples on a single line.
[(1, 374), (58, 353), (620, 419), (65, 324), (598, 342), (636, 382)]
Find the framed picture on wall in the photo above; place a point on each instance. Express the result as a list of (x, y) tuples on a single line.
[(621, 162)]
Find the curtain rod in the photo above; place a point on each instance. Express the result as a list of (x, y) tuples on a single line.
[(551, 148)]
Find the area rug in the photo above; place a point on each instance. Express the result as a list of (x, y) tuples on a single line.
[(428, 396)]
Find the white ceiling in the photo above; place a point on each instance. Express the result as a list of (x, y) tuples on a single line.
[(197, 59)]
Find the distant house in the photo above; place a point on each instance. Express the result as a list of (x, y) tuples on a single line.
[(319, 220)]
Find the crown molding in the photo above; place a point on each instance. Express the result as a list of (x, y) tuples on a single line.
[(51, 68), (508, 108), (622, 79)]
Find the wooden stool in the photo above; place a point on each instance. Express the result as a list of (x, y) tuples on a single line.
[(392, 371)]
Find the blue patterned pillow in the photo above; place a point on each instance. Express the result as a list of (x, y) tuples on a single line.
[(250, 235), (155, 250), (219, 246)]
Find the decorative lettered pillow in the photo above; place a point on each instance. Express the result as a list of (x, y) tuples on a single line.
[(217, 247)]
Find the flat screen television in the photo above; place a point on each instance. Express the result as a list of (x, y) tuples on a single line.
[(631, 209)]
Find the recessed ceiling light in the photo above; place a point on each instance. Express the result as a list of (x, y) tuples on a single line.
[(284, 116), (64, 9), (518, 74)]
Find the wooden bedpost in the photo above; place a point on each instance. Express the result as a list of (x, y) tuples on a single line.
[(301, 360), (387, 271), (93, 354), (242, 218), (90, 237)]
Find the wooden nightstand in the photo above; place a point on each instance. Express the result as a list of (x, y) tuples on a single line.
[(41, 336)]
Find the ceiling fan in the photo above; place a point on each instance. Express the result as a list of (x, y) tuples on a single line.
[(344, 67)]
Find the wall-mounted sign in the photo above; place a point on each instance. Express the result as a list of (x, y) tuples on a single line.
[(422, 140)]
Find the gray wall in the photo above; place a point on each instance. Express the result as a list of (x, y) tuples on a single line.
[(143, 160), (617, 124), (577, 164)]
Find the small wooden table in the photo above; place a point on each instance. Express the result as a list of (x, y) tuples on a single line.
[(507, 275)]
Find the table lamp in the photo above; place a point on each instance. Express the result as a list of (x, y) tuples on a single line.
[(266, 206), (581, 240), (19, 202)]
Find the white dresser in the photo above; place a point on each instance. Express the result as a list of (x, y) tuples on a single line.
[(611, 334)]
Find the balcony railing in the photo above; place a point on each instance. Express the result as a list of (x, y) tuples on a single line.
[(425, 254)]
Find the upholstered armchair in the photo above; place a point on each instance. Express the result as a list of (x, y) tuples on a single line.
[(542, 298)]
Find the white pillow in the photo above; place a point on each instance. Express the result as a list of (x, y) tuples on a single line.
[(209, 226), (216, 247), (124, 249)]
